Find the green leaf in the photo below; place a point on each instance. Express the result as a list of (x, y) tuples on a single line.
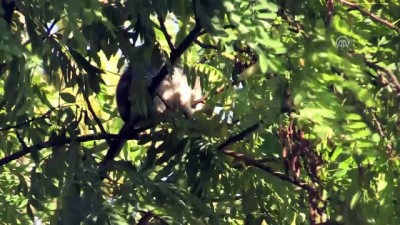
[(355, 199), (67, 97)]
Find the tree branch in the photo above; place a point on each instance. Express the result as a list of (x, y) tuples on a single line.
[(202, 45), (165, 32), (242, 135), (394, 81), (256, 163), (60, 140), (374, 17)]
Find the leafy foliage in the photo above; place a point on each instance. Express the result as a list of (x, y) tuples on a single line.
[(302, 125)]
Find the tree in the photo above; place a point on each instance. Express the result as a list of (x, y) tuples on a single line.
[(303, 129)]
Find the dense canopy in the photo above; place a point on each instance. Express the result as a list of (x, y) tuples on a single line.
[(301, 124)]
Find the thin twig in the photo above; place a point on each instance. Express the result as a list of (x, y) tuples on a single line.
[(205, 97), (295, 26), (48, 29), (46, 115), (95, 117), (21, 140), (378, 125)]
